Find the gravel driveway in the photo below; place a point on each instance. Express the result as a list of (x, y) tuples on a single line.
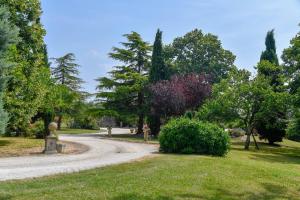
[(101, 152)]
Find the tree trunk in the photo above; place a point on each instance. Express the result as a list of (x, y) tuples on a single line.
[(140, 113), (154, 124), (59, 122), (247, 142), (47, 118), (140, 124), (256, 145)]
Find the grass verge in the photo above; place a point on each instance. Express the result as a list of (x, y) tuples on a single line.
[(270, 173)]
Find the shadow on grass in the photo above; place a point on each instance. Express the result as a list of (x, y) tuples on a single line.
[(271, 153), (4, 143), (269, 192), (133, 196), (5, 197)]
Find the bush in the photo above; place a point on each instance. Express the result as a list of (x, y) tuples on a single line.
[(293, 130), (84, 123), (36, 130), (184, 135)]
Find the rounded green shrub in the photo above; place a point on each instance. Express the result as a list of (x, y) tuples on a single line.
[(183, 135)]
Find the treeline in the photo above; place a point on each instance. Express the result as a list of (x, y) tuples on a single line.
[(157, 82), (32, 92), (195, 76)]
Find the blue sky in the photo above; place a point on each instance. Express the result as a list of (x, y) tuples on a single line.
[(90, 28)]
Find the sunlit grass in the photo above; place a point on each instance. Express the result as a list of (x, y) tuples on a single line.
[(13, 146), (270, 173)]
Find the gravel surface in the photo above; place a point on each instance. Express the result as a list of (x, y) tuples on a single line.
[(102, 152)]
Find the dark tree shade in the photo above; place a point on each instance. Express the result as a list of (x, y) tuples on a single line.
[(272, 128), (270, 53)]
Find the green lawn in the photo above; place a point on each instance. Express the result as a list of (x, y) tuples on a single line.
[(271, 173), (15, 146), (77, 131)]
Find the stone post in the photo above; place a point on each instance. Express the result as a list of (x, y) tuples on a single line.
[(51, 140), (109, 128), (146, 132)]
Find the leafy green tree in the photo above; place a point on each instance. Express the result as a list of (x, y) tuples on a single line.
[(197, 52), (272, 125), (244, 99), (158, 72), (273, 72), (8, 37), (83, 118), (27, 85), (124, 91), (291, 61), (65, 74), (293, 128), (270, 53)]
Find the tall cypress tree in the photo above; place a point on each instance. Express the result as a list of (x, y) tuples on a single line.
[(268, 65), (158, 72), (271, 127), (270, 53), (8, 36)]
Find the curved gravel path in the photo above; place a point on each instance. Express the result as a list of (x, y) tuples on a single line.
[(101, 152)]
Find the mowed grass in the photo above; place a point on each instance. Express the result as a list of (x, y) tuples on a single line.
[(78, 131), (14, 146), (270, 173)]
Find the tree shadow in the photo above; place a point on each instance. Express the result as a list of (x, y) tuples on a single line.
[(270, 192), (133, 196), (270, 153), (4, 143), (5, 197), (190, 196)]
